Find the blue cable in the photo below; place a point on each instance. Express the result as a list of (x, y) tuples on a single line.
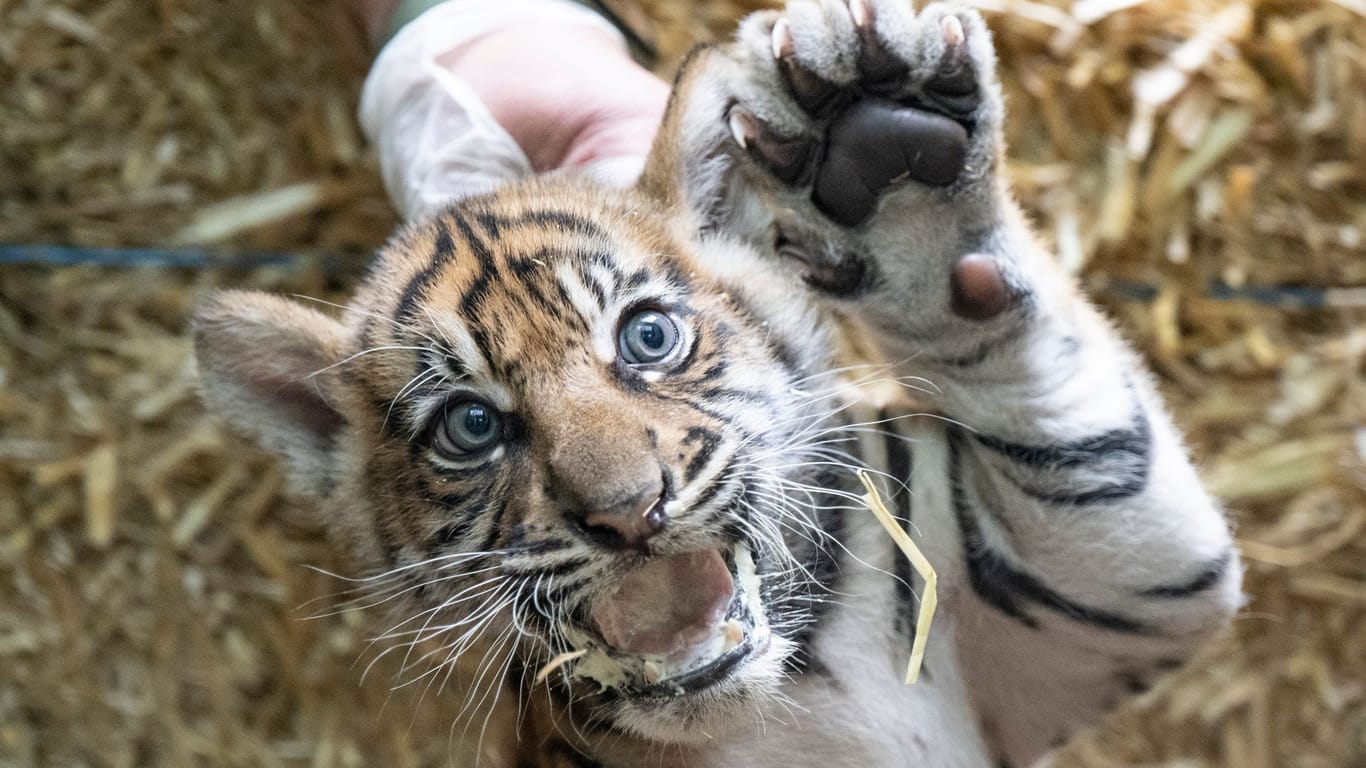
[(68, 256), (1286, 297)]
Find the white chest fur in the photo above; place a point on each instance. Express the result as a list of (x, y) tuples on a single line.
[(852, 709)]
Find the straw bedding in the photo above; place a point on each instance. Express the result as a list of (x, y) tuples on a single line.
[(154, 598)]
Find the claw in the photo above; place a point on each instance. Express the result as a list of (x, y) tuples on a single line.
[(861, 11), (783, 45), (742, 127), (953, 31), (881, 70), (789, 159), (954, 87), (814, 93)]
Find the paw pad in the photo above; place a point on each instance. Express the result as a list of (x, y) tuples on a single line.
[(877, 143), (978, 289), (901, 119)]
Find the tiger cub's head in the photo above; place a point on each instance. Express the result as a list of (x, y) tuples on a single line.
[(555, 421)]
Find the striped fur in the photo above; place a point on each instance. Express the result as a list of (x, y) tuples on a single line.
[(1028, 453)]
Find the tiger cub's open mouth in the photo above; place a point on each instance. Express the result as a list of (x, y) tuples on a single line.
[(675, 625)]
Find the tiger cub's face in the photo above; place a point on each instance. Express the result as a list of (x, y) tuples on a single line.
[(556, 425)]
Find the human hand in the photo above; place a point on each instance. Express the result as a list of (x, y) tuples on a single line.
[(568, 95), (470, 96)]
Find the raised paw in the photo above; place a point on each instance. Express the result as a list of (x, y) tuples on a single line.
[(877, 97)]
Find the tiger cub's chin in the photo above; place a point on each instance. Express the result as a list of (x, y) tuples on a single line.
[(727, 706)]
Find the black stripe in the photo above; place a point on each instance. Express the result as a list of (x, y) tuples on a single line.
[(1133, 682), (456, 366), (490, 222), (638, 278), (446, 537), (496, 522), (517, 540), (899, 467), (390, 428), (1130, 444), (715, 371), (443, 249), (707, 441), (988, 574), (1125, 454), (522, 265), (469, 507), (778, 346), (563, 568), (739, 395), (1207, 578), (722, 511), (537, 548), (538, 298), (593, 286), (1008, 589), (822, 561), (712, 490), (684, 365), (478, 289), (567, 303), (564, 593), (700, 408), (563, 220), (985, 349), (416, 291), (1105, 493), (630, 378)]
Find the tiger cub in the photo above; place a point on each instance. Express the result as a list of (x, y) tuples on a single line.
[(619, 428)]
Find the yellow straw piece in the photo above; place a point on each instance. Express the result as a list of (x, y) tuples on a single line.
[(929, 596), (556, 663)]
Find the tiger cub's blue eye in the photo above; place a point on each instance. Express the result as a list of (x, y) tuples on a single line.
[(647, 337), (468, 426)]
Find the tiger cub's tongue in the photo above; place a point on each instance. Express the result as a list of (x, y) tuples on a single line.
[(666, 606)]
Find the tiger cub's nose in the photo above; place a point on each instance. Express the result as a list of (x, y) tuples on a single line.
[(630, 523)]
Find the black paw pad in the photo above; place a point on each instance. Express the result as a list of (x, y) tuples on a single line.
[(877, 143)]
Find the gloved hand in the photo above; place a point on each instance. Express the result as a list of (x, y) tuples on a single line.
[(473, 94)]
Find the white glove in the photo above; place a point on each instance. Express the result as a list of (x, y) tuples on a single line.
[(436, 139)]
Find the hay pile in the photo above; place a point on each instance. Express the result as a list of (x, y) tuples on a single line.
[(151, 577)]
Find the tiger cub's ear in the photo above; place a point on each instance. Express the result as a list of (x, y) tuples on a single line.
[(264, 365)]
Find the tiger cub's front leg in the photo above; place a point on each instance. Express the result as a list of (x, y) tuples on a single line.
[(860, 144)]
